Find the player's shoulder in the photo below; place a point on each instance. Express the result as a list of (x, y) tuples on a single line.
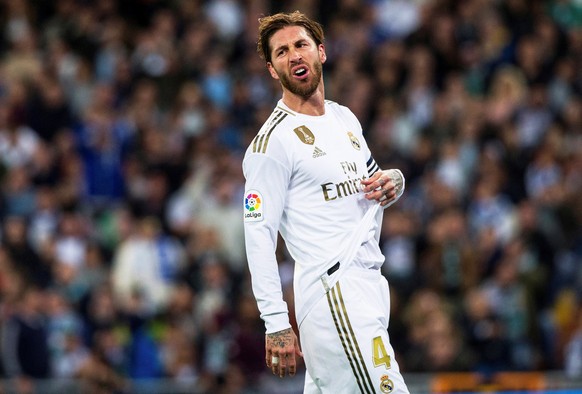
[(338, 108), (271, 130), (342, 111), (335, 106)]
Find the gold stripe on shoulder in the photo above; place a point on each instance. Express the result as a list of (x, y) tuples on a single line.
[(257, 141), (261, 140), (284, 115), (286, 111)]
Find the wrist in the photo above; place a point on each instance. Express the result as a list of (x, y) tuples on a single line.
[(397, 179), (277, 322)]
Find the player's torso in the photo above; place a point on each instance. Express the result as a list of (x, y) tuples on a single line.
[(329, 162), (324, 200)]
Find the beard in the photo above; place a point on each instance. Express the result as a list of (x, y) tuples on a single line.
[(302, 88)]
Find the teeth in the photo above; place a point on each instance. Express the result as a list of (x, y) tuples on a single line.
[(299, 71)]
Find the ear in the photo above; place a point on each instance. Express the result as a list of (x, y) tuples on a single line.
[(322, 55), (272, 71)]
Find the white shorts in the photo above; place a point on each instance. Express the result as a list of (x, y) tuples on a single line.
[(345, 341)]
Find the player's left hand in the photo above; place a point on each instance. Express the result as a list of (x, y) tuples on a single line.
[(382, 186)]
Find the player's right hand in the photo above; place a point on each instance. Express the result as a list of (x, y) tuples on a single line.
[(281, 349)]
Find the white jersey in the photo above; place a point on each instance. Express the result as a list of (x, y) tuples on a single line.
[(303, 178)]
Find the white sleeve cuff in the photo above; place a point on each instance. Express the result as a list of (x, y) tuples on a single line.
[(276, 322)]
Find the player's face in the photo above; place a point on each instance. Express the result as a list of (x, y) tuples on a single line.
[(296, 60)]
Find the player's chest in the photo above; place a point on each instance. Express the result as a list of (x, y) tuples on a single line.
[(324, 154)]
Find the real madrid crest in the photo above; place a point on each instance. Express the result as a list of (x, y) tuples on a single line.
[(386, 385), (354, 140), (305, 135)]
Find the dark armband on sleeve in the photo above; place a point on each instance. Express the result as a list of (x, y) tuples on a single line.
[(372, 166)]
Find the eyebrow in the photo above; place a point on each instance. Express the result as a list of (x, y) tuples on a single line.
[(299, 41)]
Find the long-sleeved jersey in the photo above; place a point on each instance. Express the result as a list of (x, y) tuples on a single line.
[(303, 178)]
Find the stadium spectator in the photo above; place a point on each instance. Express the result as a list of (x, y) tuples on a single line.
[(25, 344), (145, 269), (112, 111)]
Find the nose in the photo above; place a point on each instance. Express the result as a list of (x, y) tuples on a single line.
[(295, 55)]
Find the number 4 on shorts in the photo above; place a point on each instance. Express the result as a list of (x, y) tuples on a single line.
[(379, 353)]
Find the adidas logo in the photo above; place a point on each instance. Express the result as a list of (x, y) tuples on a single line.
[(318, 152)]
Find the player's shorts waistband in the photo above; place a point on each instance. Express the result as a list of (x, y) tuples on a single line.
[(364, 271), (361, 271), (333, 268)]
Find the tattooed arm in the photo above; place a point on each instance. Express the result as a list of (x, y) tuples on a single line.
[(284, 346)]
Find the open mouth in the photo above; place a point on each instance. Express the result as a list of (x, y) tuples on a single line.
[(300, 72)]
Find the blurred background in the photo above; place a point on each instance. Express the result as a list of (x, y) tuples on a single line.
[(122, 130)]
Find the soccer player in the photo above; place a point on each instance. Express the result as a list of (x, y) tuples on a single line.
[(310, 176)]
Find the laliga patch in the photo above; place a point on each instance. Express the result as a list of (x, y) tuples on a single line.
[(253, 206)]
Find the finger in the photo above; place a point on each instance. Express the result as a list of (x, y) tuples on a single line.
[(382, 182), (373, 178), (383, 195), (292, 364), (387, 198), (293, 359), (275, 360), (377, 194), (268, 356), (374, 186), (283, 366), (371, 183), (298, 351)]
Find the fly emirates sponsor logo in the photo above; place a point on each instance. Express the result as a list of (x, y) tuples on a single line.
[(332, 191)]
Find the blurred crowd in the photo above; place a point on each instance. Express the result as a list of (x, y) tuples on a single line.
[(122, 130)]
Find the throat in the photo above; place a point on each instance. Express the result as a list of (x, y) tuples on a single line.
[(313, 105)]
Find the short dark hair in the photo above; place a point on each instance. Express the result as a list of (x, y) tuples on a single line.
[(269, 25)]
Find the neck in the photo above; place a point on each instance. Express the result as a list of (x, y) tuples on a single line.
[(313, 105)]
